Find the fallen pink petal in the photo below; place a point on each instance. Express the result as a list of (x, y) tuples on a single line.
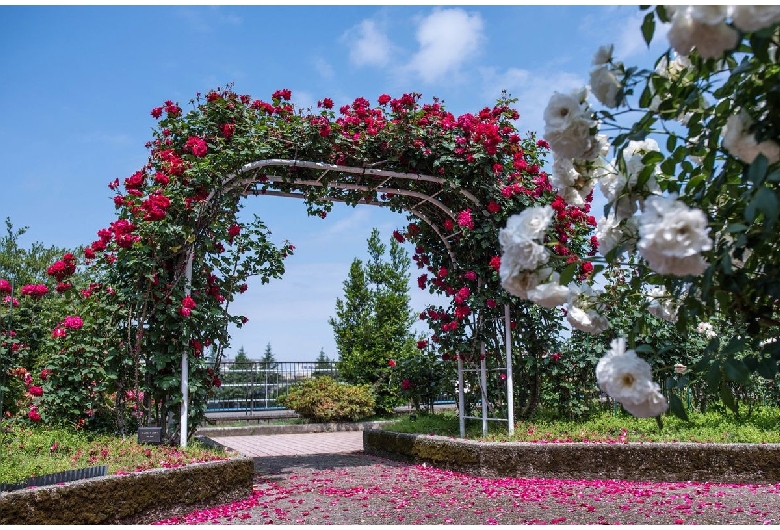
[(361, 489)]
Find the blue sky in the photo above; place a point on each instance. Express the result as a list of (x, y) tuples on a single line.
[(78, 84)]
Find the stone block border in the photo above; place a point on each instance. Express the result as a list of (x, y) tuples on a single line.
[(136, 498), (657, 462), (262, 430)]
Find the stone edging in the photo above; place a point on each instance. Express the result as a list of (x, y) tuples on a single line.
[(657, 462), (255, 430), (134, 498)]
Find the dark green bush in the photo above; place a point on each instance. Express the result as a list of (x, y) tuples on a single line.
[(323, 399)]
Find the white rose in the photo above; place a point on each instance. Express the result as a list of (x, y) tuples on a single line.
[(519, 282), (706, 329), (754, 18), (680, 368), (672, 237), (739, 142), (603, 54), (550, 294), (672, 70), (582, 310), (567, 124), (628, 380), (710, 15), (612, 232), (599, 147), (564, 174), (531, 223), (654, 404), (714, 40), (661, 305), (611, 181), (605, 86), (680, 33)]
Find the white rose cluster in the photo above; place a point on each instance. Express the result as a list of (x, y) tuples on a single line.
[(672, 237), (523, 257), (583, 310), (706, 329), (707, 30), (568, 124), (661, 305), (628, 380), (571, 130)]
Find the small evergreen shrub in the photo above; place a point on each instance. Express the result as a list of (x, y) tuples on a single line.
[(323, 399)]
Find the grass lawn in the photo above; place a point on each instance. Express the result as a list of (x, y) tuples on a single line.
[(761, 426)]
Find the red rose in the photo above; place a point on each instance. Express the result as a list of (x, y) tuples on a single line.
[(493, 207), (157, 112), (58, 333), (188, 302), (45, 374), (398, 236), (227, 130), (35, 391), (490, 303), (406, 384), (495, 263), (5, 286), (33, 415), (384, 99), (196, 146), (391, 362)]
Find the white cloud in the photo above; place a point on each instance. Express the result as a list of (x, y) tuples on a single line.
[(368, 45), (324, 68), (447, 39)]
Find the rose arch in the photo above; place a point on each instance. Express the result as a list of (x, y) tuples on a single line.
[(177, 255)]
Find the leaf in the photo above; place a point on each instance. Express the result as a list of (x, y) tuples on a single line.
[(644, 348), (757, 170), (764, 201), (676, 407), (648, 28), (567, 274), (713, 375), (767, 368), (736, 227), (736, 370), (728, 398), (735, 345)]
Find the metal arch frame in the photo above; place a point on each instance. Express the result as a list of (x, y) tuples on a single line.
[(230, 183)]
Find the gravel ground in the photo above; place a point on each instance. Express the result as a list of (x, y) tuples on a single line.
[(362, 489)]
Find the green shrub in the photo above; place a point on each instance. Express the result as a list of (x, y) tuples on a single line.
[(323, 399)]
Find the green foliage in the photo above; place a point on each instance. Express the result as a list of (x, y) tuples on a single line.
[(610, 427), (26, 452), (372, 323), (423, 377), (323, 399)]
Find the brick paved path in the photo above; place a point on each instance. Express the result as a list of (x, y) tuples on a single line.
[(294, 444)]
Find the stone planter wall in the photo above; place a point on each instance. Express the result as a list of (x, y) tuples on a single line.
[(156, 494), (658, 462)]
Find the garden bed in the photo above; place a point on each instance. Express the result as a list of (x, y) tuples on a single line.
[(133, 498), (660, 462)]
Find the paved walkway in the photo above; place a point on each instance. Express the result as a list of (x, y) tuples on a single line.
[(294, 444)]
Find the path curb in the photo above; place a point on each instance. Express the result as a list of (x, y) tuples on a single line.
[(656, 462), (126, 499)]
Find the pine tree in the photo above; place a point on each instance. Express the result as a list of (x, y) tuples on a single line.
[(372, 323), (322, 365), (269, 365)]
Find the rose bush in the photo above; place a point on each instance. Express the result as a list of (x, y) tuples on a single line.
[(692, 189)]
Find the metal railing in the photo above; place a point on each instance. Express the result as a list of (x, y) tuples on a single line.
[(256, 385)]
